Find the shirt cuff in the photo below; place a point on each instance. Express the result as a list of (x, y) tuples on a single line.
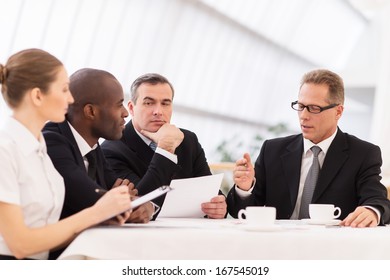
[(378, 214), (156, 209), (244, 194), (167, 154)]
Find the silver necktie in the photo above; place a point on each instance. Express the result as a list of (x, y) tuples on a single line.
[(310, 184)]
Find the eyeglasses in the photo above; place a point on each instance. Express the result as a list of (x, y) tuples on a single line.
[(315, 109)]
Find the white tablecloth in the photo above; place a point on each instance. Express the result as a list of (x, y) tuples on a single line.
[(198, 239)]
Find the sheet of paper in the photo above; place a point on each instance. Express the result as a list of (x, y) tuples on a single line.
[(187, 195)]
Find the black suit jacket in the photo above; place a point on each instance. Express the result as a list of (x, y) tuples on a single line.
[(349, 177), (131, 158), (79, 188)]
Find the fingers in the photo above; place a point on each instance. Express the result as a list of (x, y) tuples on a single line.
[(121, 198), (244, 164), (126, 215), (117, 183), (119, 219), (241, 178), (167, 137), (132, 190), (142, 214), (361, 217), (150, 135), (247, 157), (122, 189), (133, 195), (218, 198), (243, 173), (126, 182), (216, 208), (245, 161), (113, 203), (130, 185), (111, 222)]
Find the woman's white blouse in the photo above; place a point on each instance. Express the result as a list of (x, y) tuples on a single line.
[(28, 179)]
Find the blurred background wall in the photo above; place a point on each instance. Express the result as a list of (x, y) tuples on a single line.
[(236, 65)]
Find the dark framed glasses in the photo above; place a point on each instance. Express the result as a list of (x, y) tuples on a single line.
[(314, 109)]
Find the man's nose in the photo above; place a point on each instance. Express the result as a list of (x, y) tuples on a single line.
[(304, 114), (125, 113), (157, 109)]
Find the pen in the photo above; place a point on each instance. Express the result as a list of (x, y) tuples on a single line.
[(100, 191)]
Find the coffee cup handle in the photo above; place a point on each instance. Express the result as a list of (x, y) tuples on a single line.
[(338, 212), (240, 213)]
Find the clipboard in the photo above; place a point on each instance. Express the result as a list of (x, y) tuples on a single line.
[(150, 196)]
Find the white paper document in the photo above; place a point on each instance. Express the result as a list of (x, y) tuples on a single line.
[(187, 195)]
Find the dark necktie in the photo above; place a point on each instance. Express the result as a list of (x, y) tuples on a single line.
[(153, 145), (310, 184), (92, 168)]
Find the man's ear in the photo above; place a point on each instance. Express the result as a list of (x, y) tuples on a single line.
[(89, 111), (339, 110), (130, 105)]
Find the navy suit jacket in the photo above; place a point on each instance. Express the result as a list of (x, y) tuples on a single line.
[(131, 158), (349, 177), (79, 188)]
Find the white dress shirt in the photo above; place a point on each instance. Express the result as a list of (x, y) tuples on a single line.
[(29, 179), (82, 145)]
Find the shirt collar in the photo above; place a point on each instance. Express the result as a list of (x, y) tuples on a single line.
[(23, 137), (143, 137), (324, 144), (81, 143)]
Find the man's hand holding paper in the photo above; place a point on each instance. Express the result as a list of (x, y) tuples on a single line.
[(216, 208)]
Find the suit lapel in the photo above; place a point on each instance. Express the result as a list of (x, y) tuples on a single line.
[(137, 145), (334, 160), (291, 162), (67, 132)]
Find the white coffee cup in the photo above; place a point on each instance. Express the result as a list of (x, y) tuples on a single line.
[(258, 215), (323, 212)]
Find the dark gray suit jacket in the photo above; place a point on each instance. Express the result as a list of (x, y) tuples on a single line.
[(349, 177)]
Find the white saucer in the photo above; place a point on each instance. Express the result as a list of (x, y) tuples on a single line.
[(262, 228), (322, 222)]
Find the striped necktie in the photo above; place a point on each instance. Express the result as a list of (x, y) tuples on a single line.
[(153, 145)]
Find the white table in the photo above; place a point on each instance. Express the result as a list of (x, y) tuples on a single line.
[(199, 239)]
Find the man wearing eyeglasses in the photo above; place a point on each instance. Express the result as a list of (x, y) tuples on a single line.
[(322, 165)]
